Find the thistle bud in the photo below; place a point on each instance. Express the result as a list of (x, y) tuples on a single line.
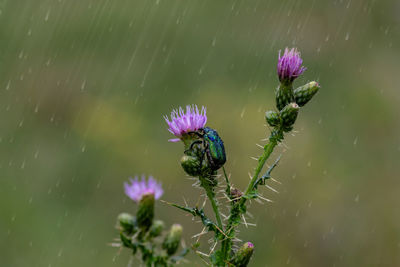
[(127, 222), (145, 213), (304, 93), (157, 228), (160, 263), (191, 165), (284, 95), (272, 118), (171, 242), (289, 115), (243, 255)]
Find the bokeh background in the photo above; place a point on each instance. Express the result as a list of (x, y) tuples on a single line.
[(84, 86)]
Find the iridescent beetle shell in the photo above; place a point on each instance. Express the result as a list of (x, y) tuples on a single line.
[(214, 150)]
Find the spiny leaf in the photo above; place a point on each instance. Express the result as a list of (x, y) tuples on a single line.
[(267, 175), (211, 226)]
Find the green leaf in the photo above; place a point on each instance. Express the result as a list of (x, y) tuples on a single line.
[(267, 175), (207, 222)]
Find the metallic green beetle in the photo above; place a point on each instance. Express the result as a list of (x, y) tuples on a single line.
[(213, 147)]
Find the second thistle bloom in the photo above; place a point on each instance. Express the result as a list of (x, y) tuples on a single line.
[(289, 68), (182, 122), (137, 189), (144, 193), (289, 65)]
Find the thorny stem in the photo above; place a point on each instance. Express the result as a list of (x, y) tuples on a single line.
[(215, 208), (268, 148), (228, 184), (211, 196), (238, 209)]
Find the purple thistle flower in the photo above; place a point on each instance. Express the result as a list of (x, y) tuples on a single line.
[(182, 122), (289, 65), (137, 188)]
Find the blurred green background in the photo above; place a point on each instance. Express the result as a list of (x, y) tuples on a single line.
[(84, 86)]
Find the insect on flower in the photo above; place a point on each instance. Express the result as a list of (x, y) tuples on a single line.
[(213, 147)]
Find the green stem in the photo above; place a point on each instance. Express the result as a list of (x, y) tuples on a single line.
[(268, 148), (208, 187), (228, 184), (215, 208)]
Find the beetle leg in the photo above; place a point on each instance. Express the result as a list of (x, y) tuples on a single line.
[(206, 147), (192, 144), (196, 133)]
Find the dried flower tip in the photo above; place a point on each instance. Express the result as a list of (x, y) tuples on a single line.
[(236, 194)]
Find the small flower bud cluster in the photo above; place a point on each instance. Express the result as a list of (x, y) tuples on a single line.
[(289, 101), (143, 233)]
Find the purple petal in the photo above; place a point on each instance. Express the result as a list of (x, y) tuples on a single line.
[(183, 121), (136, 189), (289, 65)]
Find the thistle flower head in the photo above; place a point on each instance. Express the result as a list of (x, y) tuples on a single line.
[(136, 189), (289, 65), (184, 122)]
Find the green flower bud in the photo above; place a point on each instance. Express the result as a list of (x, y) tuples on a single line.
[(243, 255), (208, 171), (272, 118), (157, 228), (127, 222), (145, 213), (289, 116), (171, 242), (160, 263), (284, 95), (191, 165), (304, 93), (127, 241)]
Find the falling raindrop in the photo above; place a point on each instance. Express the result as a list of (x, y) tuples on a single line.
[(242, 113), (47, 15), (355, 141)]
